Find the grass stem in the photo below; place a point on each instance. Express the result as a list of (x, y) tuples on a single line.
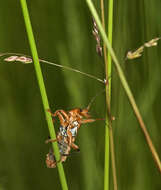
[(125, 85), (42, 90), (107, 134), (108, 130), (109, 68)]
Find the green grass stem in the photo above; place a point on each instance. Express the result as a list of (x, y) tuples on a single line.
[(125, 85), (107, 134), (108, 74), (109, 142), (42, 90)]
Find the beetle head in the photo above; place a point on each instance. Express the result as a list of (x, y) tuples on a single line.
[(77, 112)]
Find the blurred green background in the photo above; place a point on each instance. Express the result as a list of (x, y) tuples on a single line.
[(63, 32)]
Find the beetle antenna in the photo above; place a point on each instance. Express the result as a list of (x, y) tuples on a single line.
[(92, 100)]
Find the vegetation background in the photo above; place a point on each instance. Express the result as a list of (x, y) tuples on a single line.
[(63, 32)]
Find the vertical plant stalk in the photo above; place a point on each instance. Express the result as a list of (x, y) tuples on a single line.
[(107, 134), (125, 86), (108, 129), (42, 90), (109, 68)]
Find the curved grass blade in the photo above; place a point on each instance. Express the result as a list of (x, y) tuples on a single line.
[(27, 59), (125, 86)]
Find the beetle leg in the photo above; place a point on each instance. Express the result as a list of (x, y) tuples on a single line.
[(75, 147), (62, 115), (63, 121), (50, 140), (61, 112), (58, 138)]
